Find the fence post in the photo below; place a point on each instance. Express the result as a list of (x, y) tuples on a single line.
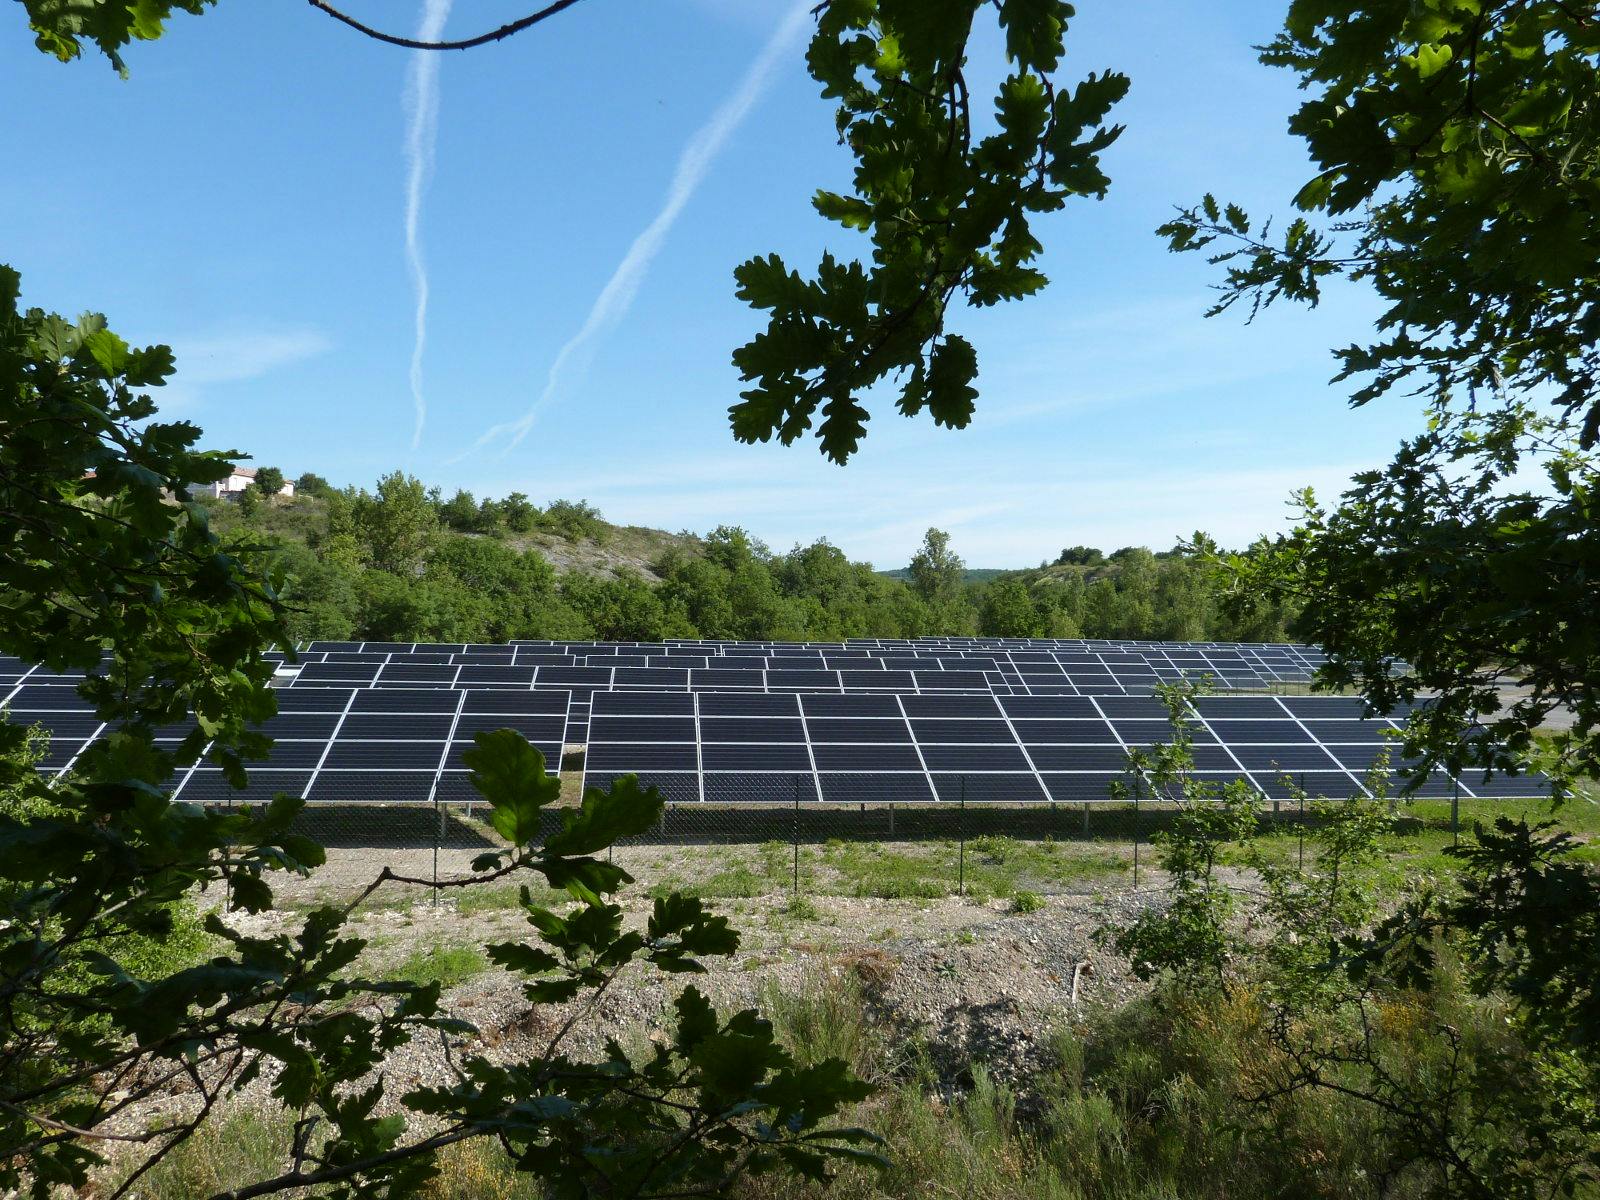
[(1301, 828), (797, 835), (961, 831), (227, 877), (1136, 832), (438, 836), (891, 821), (1455, 811)]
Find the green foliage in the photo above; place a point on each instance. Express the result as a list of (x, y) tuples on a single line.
[(1192, 938), (398, 524), (269, 481), (1458, 169), (60, 27), (1027, 902), (1458, 172), (1434, 1017), (948, 216), (312, 484), (95, 554), (936, 570), (573, 519)]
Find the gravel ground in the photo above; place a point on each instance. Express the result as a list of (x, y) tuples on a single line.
[(974, 982)]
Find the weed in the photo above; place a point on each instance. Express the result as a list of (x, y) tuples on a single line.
[(1027, 902), (445, 965), (800, 908)]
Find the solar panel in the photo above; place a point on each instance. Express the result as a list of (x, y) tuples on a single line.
[(978, 749)]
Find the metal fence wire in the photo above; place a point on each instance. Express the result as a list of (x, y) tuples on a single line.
[(890, 849)]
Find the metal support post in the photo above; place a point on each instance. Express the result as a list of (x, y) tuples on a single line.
[(1455, 812), (961, 861), (1136, 832), (438, 836), (797, 835)]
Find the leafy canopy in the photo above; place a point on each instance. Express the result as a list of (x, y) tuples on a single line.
[(949, 215)]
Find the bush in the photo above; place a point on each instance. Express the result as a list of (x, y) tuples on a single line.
[(1027, 902)]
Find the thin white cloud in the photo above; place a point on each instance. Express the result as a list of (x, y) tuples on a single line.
[(1010, 514), (231, 357), (617, 297), (422, 132), (210, 360)]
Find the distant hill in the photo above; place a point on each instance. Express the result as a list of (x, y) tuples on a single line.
[(971, 575)]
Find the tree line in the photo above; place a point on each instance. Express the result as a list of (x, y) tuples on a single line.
[(403, 563)]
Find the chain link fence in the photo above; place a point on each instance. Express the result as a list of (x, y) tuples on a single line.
[(888, 850)]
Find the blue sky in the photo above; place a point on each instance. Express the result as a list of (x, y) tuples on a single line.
[(244, 196)]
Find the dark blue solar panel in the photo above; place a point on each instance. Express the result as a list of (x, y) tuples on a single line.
[(720, 756), (619, 757), (751, 729), (858, 729), (207, 786), (1046, 707), (1134, 707), (752, 788), (403, 727), (1239, 707), (378, 787), (876, 788), (1272, 732), (604, 727), (974, 758), (405, 700), (817, 681), (848, 706), (1085, 787), (387, 755), (754, 704), (989, 789), (838, 756), (952, 706), (954, 730), (675, 787), (1078, 758), (1283, 758), (653, 703)]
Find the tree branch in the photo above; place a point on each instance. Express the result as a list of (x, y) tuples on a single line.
[(494, 35)]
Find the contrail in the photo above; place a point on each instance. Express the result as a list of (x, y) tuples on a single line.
[(614, 300), (422, 130)]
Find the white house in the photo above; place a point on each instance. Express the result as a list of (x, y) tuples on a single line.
[(236, 482)]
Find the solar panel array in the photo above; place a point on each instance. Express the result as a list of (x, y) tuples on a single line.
[(882, 721), (993, 666), (332, 744), (733, 747), (1015, 666)]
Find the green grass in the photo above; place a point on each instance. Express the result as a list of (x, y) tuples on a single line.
[(486, 898), (444, 965), (1148, 1101)]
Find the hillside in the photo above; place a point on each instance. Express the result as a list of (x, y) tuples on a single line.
[(609, 552), (402, 563), (968, 575)]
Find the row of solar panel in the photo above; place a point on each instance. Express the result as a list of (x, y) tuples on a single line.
[(997, 654), (332, 744), (1282, 663), (718, 747), (399, 745), (1141, 674), (1218, 663)]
